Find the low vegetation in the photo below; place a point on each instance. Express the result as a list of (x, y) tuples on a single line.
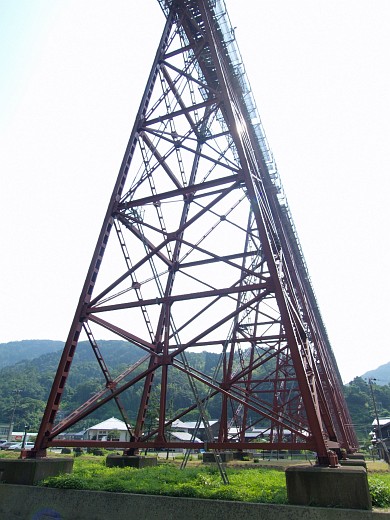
[(261, 485), (251, 484), (379, 484), (255, 481)]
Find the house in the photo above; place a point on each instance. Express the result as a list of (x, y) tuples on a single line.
[(383, 432), (5, 434), (4, 430), (251, 434), (381, 437), (384, 425), (190, 427), (111, 429), (19, 436), (71, 436), (181, 437)]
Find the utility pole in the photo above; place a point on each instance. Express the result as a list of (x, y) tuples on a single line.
[(24, 437)]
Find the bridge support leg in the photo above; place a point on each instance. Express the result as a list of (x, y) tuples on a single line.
[(345, 487), (31, 471)]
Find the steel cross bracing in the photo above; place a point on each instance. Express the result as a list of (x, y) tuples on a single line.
[(204, 257)]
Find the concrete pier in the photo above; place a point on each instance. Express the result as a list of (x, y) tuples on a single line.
[(242, 455), (344, 486), (133, 461), (209, 456), (31, 471), (353, 462)]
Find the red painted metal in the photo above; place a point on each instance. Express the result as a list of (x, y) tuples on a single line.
[(161, 445), (207, 258)]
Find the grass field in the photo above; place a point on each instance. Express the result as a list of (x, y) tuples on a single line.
[(196, 481), (261, 481)]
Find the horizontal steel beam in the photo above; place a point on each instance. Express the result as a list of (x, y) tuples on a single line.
[(309, 445)]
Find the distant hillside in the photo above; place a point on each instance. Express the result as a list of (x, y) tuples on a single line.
[(27, 369), (28, 382), (16, 351), (381, 374)]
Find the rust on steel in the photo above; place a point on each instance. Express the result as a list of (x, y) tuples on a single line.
[(198, 252)]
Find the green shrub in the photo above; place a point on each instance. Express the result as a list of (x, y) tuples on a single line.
[(65, 482), (380, 492), (115, 486)]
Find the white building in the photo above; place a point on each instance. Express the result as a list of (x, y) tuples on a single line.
[(105, 430), (190, 427), (181, 436)]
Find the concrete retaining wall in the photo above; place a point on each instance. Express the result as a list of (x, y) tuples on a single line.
[(33, 503)]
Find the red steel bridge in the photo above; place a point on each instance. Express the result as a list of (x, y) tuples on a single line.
[(198, 252)]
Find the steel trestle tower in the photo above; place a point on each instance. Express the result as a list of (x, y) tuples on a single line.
[(200, 253)]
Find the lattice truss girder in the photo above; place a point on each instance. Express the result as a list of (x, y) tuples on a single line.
[(194, 259)]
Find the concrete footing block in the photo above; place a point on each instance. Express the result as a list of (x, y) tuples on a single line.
[(345, 487), (357, 455), (209, 456), (31, 471), (134, 461), (242, 455), (353, 462)]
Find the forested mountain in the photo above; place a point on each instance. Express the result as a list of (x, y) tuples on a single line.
[(15, 351), (381, 374), (25, 384), (360, 402)]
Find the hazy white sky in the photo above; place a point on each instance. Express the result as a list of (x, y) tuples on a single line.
[(72, 74)]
